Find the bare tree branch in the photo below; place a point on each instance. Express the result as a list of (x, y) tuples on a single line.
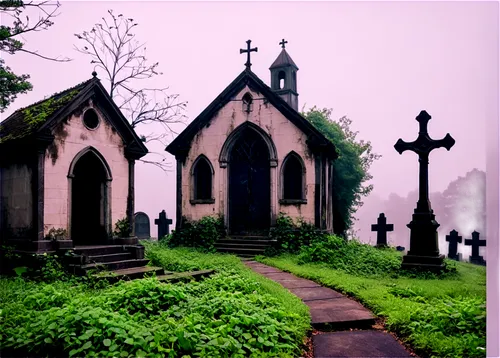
[(9, 35), (112, 47)]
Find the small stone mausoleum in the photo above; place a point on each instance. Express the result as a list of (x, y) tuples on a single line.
[(250, 155), (67, 162)]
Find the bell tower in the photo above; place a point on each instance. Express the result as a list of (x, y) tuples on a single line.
[(284, 77)]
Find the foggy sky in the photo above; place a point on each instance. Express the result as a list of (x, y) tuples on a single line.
[(379, 63)]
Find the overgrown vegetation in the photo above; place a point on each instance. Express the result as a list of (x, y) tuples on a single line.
[(57, 234), (291, 236), (202, 233), (439, 316), (122, 228), (234, 313), (350, 170)]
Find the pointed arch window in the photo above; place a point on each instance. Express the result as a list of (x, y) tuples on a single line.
[(293, 180), (247, 102), (202, 181), (281, 79)]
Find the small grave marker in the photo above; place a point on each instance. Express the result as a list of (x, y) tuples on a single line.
[(163, 225), (453, 238), (142, 225), (382, 228), (475, 243)]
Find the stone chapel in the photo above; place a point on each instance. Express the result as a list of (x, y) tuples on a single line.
[(250, 155), (67, 162)]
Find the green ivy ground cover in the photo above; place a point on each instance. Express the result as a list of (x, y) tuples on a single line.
[(233, 313), (438, 317)]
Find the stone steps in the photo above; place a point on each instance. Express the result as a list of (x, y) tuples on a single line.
[(132, 273), (110, 257), (98, 250), (114, 265), (244, 246)]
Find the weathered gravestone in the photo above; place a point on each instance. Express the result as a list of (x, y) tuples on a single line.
[(475, 243), (424, 249), (142, 226), (163, 225), (453, 238), (381, 227)]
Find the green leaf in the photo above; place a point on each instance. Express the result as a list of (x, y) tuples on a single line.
[(87, 345), (107, 342), (48, 340)]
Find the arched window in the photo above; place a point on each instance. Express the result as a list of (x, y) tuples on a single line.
[(281, 79), (202, 180), (293, 178), (247, 102)]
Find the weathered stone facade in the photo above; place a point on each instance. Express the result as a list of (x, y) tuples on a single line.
[(67, 163), (250, 116)]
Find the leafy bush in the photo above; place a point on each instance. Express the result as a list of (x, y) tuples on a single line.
[(57, 234), (122, 228), (361, 259), (291, 237), (201, 234)]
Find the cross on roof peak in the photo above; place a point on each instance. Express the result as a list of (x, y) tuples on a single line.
[(282, 43), (247, 51)]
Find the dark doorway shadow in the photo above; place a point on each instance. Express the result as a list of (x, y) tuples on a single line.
[(249, 185), (89, 201)]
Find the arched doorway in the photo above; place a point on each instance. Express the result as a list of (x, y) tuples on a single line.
[(249, 185), (89, 218)]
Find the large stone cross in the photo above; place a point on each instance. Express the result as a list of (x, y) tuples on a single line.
[(453, 238), (163, 225), (424, 249), (382, 228), (247, 51), (475, 243), (422, 146)]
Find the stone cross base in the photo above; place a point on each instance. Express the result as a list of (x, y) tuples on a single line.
[(427, 263), (457, 257)]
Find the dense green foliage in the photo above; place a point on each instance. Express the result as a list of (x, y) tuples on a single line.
[(15, 24), (350, 171), (122, 228), (11, 85), (291, 236), (202, 233), (438, 316), (234, 313)]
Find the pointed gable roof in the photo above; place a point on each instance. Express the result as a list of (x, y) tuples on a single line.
[(283, 60), (37, 119), (180, 146)]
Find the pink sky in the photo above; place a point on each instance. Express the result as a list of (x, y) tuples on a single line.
[(379, 63)]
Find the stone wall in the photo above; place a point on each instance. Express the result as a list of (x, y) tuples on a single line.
[(16, 200), (210, 140), (71, 138)]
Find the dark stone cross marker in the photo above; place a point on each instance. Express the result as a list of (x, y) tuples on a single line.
[(282, 43), (475, 243), (424, 250), (247, 51), (381, 227), (163, 225), (453, 238)]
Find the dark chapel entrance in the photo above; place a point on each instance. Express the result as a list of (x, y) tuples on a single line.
[(89, 201), (249, 185)]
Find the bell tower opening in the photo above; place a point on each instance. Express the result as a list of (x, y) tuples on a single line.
[(284, 77)]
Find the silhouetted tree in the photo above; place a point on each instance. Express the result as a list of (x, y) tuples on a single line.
[(113, 48)]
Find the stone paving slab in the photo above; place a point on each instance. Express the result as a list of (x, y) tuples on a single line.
[(357, 344), (315, 293), (264, 269), (280, 276), (339, 311), (298, 283)]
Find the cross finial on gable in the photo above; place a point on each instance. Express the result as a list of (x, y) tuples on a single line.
[(247, 51), (94, 74), (282, 43)]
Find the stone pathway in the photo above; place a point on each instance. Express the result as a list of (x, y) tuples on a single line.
[(331, 310)]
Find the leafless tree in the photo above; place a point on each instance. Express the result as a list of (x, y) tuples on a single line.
[(113, 48), (21, 25)]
